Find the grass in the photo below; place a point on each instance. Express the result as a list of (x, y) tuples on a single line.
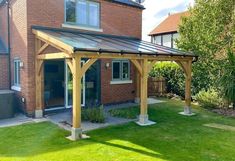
[(174, 138)]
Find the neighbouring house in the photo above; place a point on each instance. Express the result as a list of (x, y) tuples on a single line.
[(75, 53), (167, 31)]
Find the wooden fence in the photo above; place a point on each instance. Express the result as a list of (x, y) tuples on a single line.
[(156, 86)]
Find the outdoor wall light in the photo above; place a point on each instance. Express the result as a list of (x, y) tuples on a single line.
[(107, 65), (21, 64)]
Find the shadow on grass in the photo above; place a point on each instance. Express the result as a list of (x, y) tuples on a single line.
[(174, 137)]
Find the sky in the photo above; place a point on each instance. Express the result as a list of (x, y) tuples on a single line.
[(157, 10)]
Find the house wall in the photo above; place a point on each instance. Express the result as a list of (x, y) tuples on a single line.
[(4, 83), (19, 43), (115, 19), (111, 94)]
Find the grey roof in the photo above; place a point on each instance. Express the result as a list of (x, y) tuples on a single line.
[(129, 3), (103, 43), (3, 49)]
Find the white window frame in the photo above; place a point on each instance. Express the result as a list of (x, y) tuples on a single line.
[(88, 13), (121, 70), (16, 78)]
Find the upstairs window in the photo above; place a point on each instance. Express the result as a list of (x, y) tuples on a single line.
[(120, 70), (83, 13)]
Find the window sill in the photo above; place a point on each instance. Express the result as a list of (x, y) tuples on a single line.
[(16, 88), (81, 28), (121, 82)]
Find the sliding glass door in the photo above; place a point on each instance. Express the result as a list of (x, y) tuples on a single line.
[(69, 88)]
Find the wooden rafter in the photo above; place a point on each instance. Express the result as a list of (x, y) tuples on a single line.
[(53, 42), (50, 56)]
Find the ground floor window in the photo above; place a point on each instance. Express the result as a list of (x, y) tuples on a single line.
[(120, 70), (17, 72)]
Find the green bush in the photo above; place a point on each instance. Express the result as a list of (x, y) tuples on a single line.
[(93, 114), (209, 99), (173, 74), (128, 113)]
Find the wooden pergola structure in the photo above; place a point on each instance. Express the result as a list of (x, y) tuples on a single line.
[(71, 46)]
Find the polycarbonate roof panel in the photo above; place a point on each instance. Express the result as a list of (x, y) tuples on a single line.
[(93, 42)]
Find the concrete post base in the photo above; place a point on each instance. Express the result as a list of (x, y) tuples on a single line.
[(187, 111), (38, 113), (137, 100), (76, 134), (144, 121)]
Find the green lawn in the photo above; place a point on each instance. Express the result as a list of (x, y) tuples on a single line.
[(174, 137)]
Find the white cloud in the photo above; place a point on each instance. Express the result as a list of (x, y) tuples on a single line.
[(157, 10)]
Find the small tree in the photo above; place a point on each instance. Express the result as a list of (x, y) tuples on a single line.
[(227, 80), (207, 32)]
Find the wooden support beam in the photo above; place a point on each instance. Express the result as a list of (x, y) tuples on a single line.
[(137, 99), (39, 82), (87, 65), (131, 56), (70, 64), (137, 65), (150, 66), (50, 56), (143, 119), (77, 92), (188, 84), (42, 48), (184, 66)]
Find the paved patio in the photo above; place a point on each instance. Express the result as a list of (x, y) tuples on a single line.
[(19, 119), (64, 119)]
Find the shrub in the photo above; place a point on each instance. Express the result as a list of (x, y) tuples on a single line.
[(173, 74), (128, 113), (93, 114), (209, 99)]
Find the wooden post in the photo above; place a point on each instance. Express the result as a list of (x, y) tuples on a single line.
[(137, 99), (187, 109), (76, 131), (188, 78), (39, 82), (143, 118)]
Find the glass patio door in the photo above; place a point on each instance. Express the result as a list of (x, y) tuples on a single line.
[(69, 87)]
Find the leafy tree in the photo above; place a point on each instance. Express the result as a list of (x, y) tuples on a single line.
[(227, 80), (207, 32)]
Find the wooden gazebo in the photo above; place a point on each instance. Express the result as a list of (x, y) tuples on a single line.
[(74, 46)]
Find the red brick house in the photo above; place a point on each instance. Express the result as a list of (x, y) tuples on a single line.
[(167, 31), (115, 17), (88, 50)]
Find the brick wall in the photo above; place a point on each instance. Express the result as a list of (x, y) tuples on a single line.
[(115, 19), (119, 92), (19, 43), (4, 83)]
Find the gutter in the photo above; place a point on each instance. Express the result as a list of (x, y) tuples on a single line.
[(9, 41)]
